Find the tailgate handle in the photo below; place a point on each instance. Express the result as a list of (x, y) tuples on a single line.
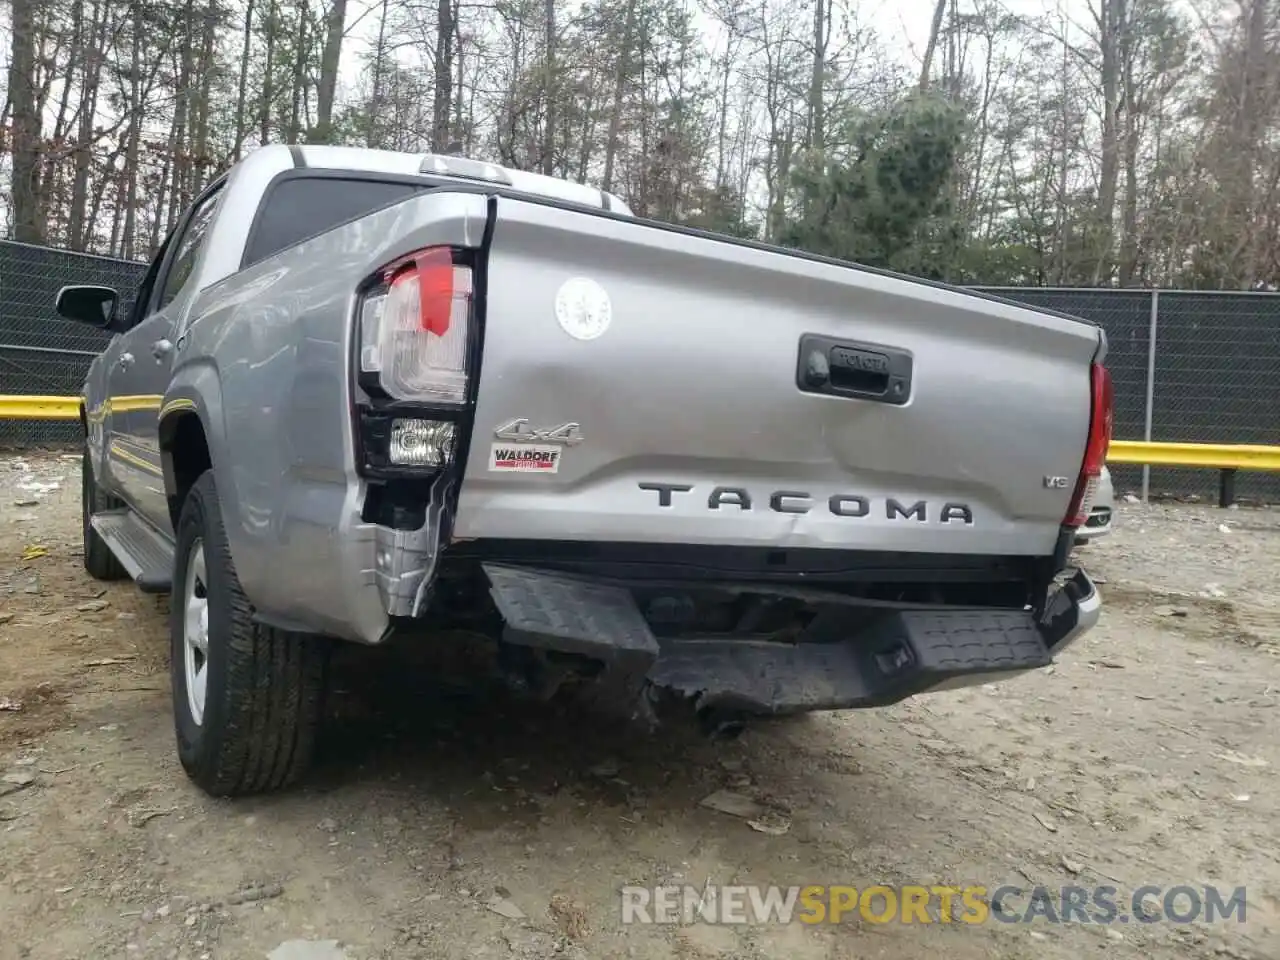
[(863, 371)]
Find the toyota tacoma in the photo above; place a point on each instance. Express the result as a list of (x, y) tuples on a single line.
[(363, 396)]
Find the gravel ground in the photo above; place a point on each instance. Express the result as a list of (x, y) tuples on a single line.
[(447, 824)]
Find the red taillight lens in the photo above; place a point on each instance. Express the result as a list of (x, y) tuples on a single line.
[(1101, 416), (413, 331), (435, 289)]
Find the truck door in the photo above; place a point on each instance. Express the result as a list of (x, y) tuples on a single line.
[(142, 371)]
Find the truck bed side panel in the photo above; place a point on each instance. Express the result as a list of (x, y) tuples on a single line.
[(278, 335)]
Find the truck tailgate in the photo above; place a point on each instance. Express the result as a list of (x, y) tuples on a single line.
[(731, 395)]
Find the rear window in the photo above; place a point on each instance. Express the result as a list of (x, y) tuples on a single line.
[(299, 208)]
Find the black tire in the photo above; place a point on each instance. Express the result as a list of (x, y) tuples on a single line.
[(99, 561), (264, 688)]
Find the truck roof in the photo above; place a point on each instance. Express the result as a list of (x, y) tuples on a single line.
[(460, 168)]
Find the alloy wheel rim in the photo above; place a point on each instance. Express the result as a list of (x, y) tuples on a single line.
[(86, 495), (195, 632)]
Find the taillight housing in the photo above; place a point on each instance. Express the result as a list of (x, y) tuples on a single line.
[(1101, 417), (413, 364), (414, 329)]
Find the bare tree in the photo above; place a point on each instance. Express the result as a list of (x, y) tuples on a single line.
[(25, 152)]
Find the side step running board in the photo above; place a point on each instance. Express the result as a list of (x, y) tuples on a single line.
[(143, 552)]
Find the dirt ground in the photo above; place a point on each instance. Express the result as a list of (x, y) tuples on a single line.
[(463, 824)]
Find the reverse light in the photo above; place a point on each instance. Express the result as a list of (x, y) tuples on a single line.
[(1101, 417), (413, 329), (421, 443)]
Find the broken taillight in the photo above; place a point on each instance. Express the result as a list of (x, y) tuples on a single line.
[(413, 328), (1101, 415)]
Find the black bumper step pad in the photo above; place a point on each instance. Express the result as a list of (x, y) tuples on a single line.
[(571, 615), (898, 655), (901, 654)]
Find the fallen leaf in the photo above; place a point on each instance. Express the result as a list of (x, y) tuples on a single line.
[(267, 891), (772, 823), (505, 908), (139, 818), (32, 551), (13, 782), (1046, 823), (734, 804)]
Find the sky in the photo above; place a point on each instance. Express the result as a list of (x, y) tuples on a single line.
[(902, 25)]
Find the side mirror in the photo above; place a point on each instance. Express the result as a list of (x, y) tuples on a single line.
[(95, 306)]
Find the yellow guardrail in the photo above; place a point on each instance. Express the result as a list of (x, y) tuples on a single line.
[(1223, 456), (39, 408), (1226, 457)]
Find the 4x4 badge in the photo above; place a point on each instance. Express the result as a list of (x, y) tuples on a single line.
[(519, 431)]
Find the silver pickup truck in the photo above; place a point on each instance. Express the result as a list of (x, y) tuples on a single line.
[(364, 395)]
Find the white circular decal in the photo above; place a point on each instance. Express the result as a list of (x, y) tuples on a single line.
[(583, 308)]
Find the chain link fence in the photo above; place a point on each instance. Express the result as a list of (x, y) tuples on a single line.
[(1187, 365), (40, 353)]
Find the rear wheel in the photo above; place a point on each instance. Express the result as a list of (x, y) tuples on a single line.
[(247, 699), (99, 561)]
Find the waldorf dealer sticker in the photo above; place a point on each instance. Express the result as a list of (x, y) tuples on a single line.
[(524, 458)]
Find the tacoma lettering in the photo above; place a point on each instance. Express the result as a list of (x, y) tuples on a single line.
[(844, 505), (894, 510), (799, 502), (729, 496)]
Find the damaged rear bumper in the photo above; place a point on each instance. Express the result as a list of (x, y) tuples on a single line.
[(904, 653)]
